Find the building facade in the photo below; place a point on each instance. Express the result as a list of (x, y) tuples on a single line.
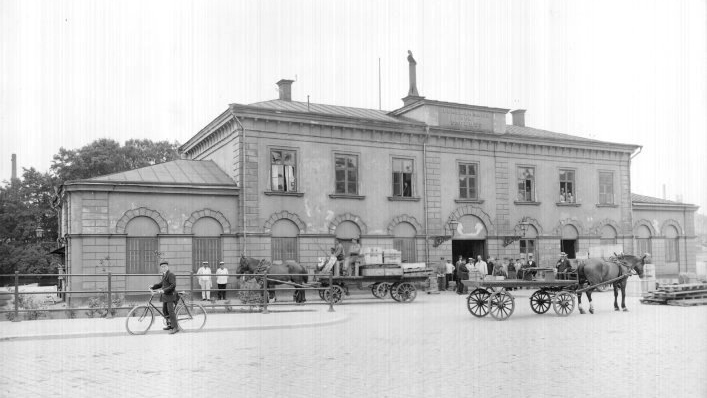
[(433, 179)]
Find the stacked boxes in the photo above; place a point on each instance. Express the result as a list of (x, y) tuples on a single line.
[(392, 256), (372, 255)]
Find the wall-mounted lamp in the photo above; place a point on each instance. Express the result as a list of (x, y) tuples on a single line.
[(524, 224), (453, 226)]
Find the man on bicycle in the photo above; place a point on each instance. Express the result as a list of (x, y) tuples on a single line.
[(168, 296)]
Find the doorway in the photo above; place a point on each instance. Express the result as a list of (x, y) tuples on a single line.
[(569, 246), (468, 249)]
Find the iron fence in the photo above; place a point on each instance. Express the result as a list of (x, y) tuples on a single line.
[(268, 284)]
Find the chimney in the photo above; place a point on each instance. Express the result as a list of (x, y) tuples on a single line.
[(285, 88), (518, 117), (14, 167)]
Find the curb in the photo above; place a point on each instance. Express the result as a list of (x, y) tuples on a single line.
[(340, 318)]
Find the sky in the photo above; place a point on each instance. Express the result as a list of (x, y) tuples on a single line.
[(620, 71)]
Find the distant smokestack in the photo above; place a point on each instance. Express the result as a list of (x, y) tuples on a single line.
[(518, 117), (664, 197), (14, 166), (285, 88)]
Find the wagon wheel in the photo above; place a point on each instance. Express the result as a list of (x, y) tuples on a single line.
[(321, 291), (406, 292), (501, 305), (393, 289), (374, 288), (478, 302), (563, 304), (380, 290), (540, 302), (333, 295)]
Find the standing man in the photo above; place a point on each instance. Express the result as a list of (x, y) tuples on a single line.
[(352, 257), (221, 280), (168, 296), (448, 271), (563, 266), (459, 263), (339, 253), (205, 280), (489, 265), (481, 265)]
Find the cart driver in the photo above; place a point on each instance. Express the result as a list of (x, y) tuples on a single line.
[(563, 266)]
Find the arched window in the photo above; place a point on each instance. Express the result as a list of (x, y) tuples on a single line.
[(643, 241), (345, 232), (283, 243), (608, 235), (141, 245), (404, 241), (569, 243), (671, 244), (206, 244)]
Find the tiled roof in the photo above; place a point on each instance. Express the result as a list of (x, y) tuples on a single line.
[(204, 172), (360, 113), (537, 133), (636, 198)]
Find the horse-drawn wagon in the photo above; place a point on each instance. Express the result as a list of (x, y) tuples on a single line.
[(493, 296), (398, 281)]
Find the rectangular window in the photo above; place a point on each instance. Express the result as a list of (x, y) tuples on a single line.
[(606, 187), (206, 249), (567, 193), (468, 181), (644, 246), (282, 170), (526, 184), (527, 246), (142, 258), (284, 249), (407, 248), (402, 177), (346, 174), (671, 250)]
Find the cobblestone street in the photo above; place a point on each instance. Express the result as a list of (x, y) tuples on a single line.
[(431, 347)]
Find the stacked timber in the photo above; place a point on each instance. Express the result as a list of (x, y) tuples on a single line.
[(683, 295)]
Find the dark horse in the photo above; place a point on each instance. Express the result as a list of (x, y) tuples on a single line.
[(288, 273), (595, 271)]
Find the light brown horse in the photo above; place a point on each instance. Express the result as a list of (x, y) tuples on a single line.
[(594, 271), (290, 271)]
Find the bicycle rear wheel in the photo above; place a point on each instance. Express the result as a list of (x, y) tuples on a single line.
[(191, 317), (139, 320)]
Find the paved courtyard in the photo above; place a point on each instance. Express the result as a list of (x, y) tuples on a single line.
[(429, 348)]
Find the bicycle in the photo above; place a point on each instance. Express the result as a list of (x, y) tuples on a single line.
[(190, 316)]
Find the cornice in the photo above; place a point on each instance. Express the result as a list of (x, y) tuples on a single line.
[(153, 187), (664, 206)]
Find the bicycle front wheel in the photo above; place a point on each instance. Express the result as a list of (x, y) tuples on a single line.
[(139, 320), (191, 317)]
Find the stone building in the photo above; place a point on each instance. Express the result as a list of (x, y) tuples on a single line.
[(281, 179)]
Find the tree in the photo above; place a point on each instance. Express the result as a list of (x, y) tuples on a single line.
[(105, 156), (26, 202)]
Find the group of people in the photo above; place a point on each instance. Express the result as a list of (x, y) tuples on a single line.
[(204, 277), (345, 261), (508, 269)]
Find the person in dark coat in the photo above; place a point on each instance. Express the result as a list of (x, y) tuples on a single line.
[(168, 296), (462, 275), (489, 266), (563, 266)]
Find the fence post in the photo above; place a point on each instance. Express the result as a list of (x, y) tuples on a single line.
[(110, 298), (191, 285), (266, 297), (331, 292), (17, 297)]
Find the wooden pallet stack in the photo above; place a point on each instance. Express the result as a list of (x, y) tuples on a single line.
[(683, 295)]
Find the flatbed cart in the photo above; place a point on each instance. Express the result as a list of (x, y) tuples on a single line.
[(401, 287), (493, 296)]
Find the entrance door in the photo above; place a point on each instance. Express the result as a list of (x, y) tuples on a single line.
[(468, 249), (569, 246)]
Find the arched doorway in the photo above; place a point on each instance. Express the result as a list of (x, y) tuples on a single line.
[(206, 244), (570, 241), (469, 238)]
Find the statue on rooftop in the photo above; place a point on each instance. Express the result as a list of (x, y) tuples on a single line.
[(413, 76)]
